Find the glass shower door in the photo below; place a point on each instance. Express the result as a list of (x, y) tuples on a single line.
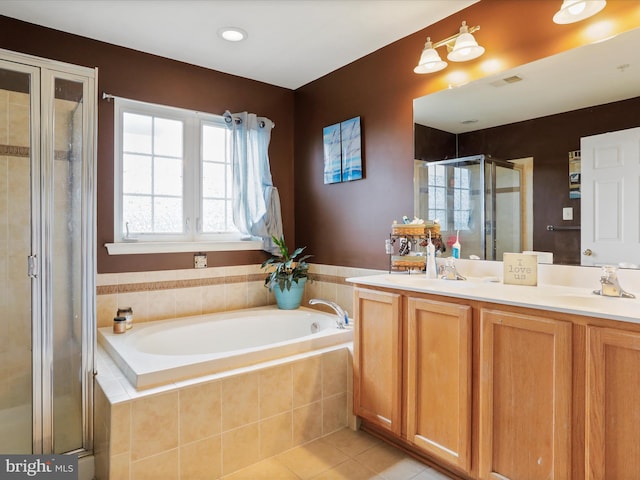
[(47, 255), (65, 177), (507, 219), (19, 101)]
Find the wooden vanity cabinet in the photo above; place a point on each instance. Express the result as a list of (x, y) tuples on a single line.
[(377, 366), (525, 397), (495, 392), (612, 404), (438, 373), (429, 367)]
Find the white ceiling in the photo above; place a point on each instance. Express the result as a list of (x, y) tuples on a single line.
[(290, 42)]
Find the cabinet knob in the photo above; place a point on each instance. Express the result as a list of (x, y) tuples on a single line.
[(587, 252)]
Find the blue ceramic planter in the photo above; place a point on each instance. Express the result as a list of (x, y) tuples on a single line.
[(290, 299)]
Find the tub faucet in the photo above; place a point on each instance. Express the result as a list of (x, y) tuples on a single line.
[(609, 284), (343, 318)]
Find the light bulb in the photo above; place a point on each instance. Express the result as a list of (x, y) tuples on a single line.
[(577, 8)]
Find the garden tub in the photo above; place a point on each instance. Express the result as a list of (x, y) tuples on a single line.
[(167, 351)]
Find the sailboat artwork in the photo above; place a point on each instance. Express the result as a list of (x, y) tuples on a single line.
[(342, 151), (351, 149)]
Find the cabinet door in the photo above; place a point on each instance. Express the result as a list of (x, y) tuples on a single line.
[(612, 413), (439, 379), (377, 364), (525, 397)]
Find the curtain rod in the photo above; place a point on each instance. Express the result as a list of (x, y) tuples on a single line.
[(108, 97), (228, 118)]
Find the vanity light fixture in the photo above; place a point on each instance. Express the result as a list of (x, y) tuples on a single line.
[(462, 47), (573, 11), (466, 48), (430, 61)]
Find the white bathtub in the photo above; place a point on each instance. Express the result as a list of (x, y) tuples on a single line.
[(167, 351)]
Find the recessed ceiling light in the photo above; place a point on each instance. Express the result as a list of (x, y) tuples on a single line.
[(232, 34)]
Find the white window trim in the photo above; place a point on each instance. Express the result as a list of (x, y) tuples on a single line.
[(132, 248), (209, 242)]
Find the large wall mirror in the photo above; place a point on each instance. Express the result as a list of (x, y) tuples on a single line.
[(534, 117)]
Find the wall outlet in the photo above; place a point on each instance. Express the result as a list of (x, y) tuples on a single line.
[(200, 260), (567, 213)]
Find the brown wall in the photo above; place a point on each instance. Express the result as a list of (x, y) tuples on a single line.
[(347, 223), (432, 144), (131, 74), (342, 224)]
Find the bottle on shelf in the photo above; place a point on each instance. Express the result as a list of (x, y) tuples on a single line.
[(432, 271), (455, 250)]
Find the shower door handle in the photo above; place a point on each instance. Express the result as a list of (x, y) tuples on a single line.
[(32, 266)]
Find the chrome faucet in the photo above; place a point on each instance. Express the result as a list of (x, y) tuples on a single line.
[(343, 318), (449, 271), (609, 284)]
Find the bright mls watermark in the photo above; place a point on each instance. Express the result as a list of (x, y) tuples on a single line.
[(51, 467)]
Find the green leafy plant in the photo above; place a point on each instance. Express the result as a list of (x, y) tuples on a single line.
[(284, 269)]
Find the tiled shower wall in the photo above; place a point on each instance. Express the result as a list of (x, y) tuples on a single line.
[(15, 238), (15, 241), (15, 246)]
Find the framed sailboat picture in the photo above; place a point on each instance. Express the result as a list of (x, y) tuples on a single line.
[(332, 154), (342, 143), (351, 143)]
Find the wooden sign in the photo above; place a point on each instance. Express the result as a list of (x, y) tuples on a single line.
[(520, 269)]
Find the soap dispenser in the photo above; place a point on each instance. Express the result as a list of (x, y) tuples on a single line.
[(432, 271)]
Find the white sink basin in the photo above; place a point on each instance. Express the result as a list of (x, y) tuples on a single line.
[(596, 301)]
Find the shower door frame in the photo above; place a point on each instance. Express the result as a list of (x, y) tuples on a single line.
[(493, 162), (43, 73), (482, 161)]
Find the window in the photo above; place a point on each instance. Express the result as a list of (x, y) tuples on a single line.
[(216, 215), (437, 191), (173, 177), (152, 174), (449, 190), (461, 198)]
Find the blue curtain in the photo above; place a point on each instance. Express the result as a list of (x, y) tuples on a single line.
[(256, 203)]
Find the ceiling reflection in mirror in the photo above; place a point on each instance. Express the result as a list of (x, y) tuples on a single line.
[(536, 113)]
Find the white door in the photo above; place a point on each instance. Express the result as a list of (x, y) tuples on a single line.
[(610, 207)]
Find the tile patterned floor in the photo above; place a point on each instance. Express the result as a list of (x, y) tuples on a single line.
[(343, 455)]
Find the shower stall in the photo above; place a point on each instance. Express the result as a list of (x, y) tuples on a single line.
[(47, 259), (477, 198)]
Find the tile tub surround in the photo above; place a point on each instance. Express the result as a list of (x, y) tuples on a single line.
[(220, 424), (179, 293)]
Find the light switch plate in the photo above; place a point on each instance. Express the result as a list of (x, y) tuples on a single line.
[(567, 213), (200, 260)]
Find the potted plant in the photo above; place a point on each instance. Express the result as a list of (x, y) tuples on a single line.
[(286, 275)]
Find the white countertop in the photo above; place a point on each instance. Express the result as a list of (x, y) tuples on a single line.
[(579, 301)]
